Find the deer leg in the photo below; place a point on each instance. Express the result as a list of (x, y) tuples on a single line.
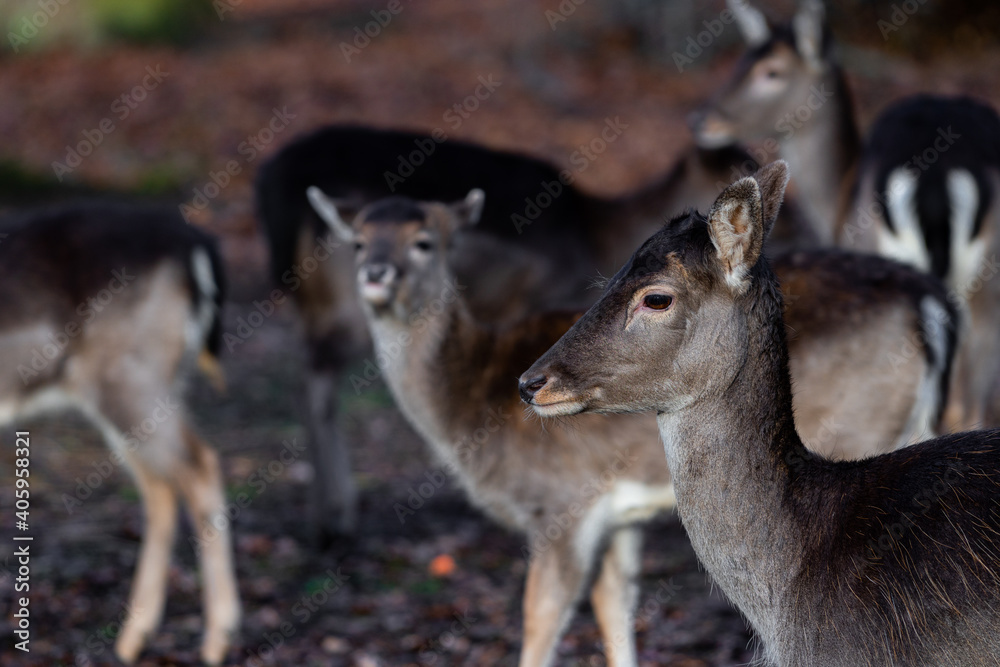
[(615, 593), (201, 486), (553, 586), (149, 586), (334, 503)]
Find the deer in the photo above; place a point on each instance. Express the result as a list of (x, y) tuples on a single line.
[(926, 194), (526, 474), (539, 245), (789, 94), (887, 560), (914, 190), (108, 308)]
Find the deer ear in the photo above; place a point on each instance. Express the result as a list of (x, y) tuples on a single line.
[(751, 22), (742, 217), (327, 211), (772, 181), (470, 209), (735, 227), (809, 28)]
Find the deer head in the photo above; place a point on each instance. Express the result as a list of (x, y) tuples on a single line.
[(772, 79), (677, 304), (395, 242)]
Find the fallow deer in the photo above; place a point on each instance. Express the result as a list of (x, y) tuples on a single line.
[(788, 94), (106, 310), (927, 195), (890, 560), (920, 190), (449, 372), (576, 491), (539, 244)]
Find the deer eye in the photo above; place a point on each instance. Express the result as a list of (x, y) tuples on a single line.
[(657, 301), (773, 74), (358, 246), (423, 245)]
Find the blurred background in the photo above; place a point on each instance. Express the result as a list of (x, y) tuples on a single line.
[(153, 100)]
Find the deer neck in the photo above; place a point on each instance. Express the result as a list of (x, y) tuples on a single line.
[(729, 456), (423, 354), (822, 150)]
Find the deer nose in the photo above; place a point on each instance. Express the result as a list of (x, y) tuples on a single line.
[(528, 388), (377, 273)]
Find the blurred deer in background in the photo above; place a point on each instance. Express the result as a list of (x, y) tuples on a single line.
[(540, 243), (106, 310), (577, 491), (926, 195), (832, 564), (789, 94), (916, 191), (450, 374)]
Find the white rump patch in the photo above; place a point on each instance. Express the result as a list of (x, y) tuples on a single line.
[(906, 243), (967, 253)]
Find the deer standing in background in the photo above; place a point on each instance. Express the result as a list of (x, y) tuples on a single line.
[(789, 94), (927, 195), (921, 190), (106, 310), (576, 490), (527, 476), (891, 560), (539, 245)]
